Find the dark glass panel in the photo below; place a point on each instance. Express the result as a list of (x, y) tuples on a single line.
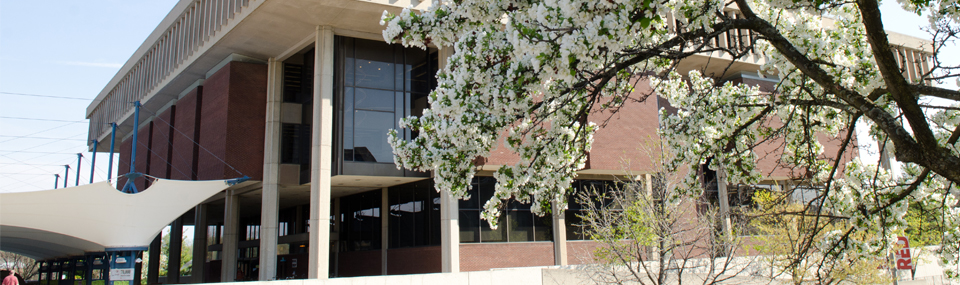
[(374, 100), (434, 214), (348, 124), (421, 216), (469, 226), (349, 62), (374, 64), (370, 136), (418, 70), (491, 235), (520, 225), (543, 228), (574, 226)]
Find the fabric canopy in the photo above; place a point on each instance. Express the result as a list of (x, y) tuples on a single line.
[(70, 221)]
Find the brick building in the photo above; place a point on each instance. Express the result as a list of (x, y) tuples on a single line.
[(298, 95)]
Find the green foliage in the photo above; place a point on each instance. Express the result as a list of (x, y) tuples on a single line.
[(786, 240)]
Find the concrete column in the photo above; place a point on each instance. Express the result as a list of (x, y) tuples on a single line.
[(231, 224), (321, 144), (724, 203), (384, 229), (199, 243), (449, 233), (153, 264), (175, 248), (559, 236), (270, 206), (449, 211)]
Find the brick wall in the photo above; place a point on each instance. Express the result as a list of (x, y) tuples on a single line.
[(359, 263), (142, 163), (184, 153), (622, 134), (233, 111), (627, 137), (484, 256), (581, 251), (123, 165), (413, 260), (160, 142), (225, 116)]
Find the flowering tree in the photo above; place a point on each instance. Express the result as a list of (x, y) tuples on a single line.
[(534, 70)]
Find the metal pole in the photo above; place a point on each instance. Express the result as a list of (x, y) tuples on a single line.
[(93, 162), (56, 182), (113, 140), (66, 174), (136, 126), (79, 158)]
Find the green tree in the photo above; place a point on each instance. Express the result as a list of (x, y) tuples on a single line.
[(186, 257)]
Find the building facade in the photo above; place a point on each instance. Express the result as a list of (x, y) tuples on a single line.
[(298, 95)]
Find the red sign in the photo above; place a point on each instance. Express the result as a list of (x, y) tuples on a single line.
[(903, 255)]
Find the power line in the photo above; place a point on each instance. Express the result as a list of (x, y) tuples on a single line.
[(12, 173), (29, 164), (40, 138), (44, 96), (38, 119), (47, 130), (43, 152)]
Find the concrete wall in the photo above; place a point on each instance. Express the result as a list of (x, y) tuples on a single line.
[(519, 276)]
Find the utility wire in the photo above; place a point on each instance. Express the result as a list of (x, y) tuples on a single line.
[(43, 152), (41, 138), (38, 119), (47, 130), (44, 96)]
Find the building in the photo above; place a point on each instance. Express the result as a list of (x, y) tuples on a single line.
[(298, 96)]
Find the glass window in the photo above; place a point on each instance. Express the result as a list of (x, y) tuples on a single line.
[(360, 221), (575, 228), (414, 215), (516, 224), (378, 77)]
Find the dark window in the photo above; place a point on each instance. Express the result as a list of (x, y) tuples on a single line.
[(360, 221), (380, 85), (516, 223), (414, 215), (576, 229)]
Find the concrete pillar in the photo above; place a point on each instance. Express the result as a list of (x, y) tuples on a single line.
[(559, 236), (231, 224), (321, 150), (384, 229), (449, 233), (175, 248), (270, 206), (724, 203), (449, 211), (153, 264), (199, 244)]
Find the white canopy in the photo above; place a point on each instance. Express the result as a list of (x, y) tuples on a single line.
[(70, 221)]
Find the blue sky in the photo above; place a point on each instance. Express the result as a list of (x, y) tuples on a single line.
[(66, 49), (72, 49)]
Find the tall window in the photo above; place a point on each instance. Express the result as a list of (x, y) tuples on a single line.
[(414, 215), (360, 221), (576, 230), (517, 222), (380, 85)]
